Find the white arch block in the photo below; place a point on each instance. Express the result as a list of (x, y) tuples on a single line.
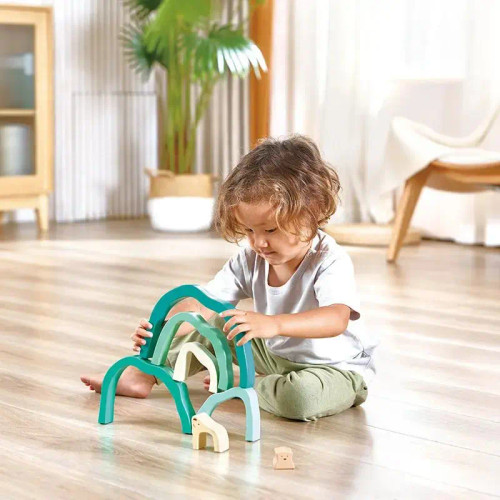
[(203, 424), (203, 355)]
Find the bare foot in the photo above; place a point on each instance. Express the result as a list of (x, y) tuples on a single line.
[(132, 383), (236, 383)]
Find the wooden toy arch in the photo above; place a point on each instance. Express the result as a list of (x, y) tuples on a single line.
[(178, 390), (167, 301), (251, 402), (204, 357), (217, 339), (155, 367), (158, 346)]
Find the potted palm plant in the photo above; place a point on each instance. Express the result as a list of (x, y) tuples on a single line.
[(188, 41)]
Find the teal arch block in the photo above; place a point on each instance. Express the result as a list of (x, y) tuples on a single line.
[(167, 301), (178, 390), (245, 361), (216, 337), (249, 398)]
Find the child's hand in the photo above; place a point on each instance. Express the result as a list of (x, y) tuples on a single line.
[(140, 333), (255, 324)]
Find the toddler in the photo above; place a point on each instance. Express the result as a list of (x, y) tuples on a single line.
[(312, 355)]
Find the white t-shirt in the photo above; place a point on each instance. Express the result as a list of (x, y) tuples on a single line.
[(324, 277)]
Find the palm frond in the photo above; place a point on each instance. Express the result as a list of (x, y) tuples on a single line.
[(173, 18), (141, 9), (223, 49), (173, 13), (137, 54)]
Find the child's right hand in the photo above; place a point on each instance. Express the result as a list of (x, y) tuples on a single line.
[(140, 333)]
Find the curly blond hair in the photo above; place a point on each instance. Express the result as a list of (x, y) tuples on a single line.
[(290, 174)]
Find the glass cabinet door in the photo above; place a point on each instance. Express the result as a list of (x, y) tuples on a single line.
[(17, 99)]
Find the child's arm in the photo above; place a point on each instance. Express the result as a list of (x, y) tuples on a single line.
[(326, 321), (322, 322)]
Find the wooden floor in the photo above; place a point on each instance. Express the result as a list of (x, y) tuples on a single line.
[(69, 302)]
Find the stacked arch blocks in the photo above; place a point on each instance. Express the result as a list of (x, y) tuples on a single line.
[(154, 353)]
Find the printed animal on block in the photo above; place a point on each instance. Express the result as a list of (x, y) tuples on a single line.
[(203, 355), (283, 458), (153, 355), (204, 424)]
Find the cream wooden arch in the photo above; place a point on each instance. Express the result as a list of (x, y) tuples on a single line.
[(203, 355)]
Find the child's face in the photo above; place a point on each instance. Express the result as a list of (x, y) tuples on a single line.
[(259, 222)]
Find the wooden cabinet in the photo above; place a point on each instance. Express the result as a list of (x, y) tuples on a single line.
[(26, 109)]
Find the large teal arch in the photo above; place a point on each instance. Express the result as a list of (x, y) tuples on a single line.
[(167, 301), (216, 337), (178, 389)]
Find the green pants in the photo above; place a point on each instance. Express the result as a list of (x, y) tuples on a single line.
[(296, 391)]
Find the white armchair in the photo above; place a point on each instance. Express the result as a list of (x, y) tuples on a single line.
[(438, 161)]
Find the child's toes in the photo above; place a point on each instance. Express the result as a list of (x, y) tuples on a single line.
[(85, 380)]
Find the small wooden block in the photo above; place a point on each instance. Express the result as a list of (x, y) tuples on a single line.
[(203, 424), (283, 458)]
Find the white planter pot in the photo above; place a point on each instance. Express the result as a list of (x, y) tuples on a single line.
[(181, 213)]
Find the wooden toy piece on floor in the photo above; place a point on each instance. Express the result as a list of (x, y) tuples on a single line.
[(203, 424), (203, 355), (283, 458)]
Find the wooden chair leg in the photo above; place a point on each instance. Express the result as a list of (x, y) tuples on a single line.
[(42, 213), (405, 209)]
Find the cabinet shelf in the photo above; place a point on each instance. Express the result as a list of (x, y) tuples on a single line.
[(14, 113), (26, 109)]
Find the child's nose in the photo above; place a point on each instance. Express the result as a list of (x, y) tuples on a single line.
[(260, 243)]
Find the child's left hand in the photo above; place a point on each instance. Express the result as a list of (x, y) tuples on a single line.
[(254, 323)]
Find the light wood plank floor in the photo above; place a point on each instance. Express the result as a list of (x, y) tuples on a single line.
[(69, 302)]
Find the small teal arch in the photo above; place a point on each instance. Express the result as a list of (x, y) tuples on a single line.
[(249, 398), (216, 337), (168, 300), (178, 389)]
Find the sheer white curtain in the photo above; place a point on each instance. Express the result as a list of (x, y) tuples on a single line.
[(342, 69)]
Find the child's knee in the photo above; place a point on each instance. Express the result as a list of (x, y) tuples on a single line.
[(288, 396), (304, 395), (295, 400)]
